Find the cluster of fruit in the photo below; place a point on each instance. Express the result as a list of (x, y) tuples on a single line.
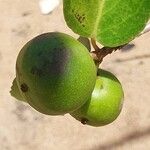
[(55, 74)]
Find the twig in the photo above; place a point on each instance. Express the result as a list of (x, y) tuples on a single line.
[(99, 53), (93, 41)]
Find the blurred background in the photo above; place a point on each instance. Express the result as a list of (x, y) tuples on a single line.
[(23, 128)]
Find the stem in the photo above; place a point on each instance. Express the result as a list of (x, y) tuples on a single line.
[(99, 53), (93, 41)]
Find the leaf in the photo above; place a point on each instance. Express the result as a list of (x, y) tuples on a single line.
[(85, 42), (110, 22), (15, 91)]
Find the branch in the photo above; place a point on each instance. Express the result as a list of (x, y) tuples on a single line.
[(99, 53)]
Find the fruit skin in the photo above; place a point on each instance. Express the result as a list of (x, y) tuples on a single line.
[(55, 73), (106, 101)]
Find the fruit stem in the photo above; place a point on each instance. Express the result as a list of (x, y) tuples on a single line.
[(99, 53), (93, 41)]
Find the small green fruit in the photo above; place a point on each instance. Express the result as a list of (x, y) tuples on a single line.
[(106, 101), (55, 73)]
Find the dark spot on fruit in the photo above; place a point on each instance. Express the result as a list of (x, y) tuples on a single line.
[(24, 87), (84, 121), (59, 61), (51, 63)]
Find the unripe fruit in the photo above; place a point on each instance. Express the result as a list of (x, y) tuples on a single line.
[(55, 73), (106, 101)]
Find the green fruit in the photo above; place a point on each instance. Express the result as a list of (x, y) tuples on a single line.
[(55, 73), (106, 101)]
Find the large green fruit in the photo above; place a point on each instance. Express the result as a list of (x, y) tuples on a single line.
[(55, 73), (106, 101)]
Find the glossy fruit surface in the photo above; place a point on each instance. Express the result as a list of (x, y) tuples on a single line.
[(55, 73), (106, 101)]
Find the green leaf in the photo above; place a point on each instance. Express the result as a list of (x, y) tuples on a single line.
[(110, 22), (85, 42), (15, 91)]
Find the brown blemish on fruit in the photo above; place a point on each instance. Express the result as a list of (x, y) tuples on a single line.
[(51, 63), (24, 87), (84, 121), (59, 61)]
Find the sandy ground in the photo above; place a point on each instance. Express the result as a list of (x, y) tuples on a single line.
[(22, 128)]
